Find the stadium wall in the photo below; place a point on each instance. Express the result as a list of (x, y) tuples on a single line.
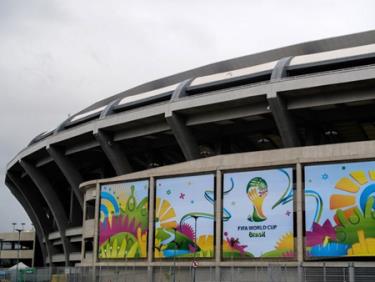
[(295, 158)]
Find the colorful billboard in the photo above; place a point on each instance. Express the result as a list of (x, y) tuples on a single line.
[(258, 214), (123, 222), (339, 204), (184, 217)]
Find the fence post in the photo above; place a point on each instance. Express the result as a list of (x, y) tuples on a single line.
[(150, 274), (285, 273), (351, 272), (217, 273), (300, 272)]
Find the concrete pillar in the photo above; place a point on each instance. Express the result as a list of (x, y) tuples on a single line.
[(150, 245), (68, 170), (219, 232), (114, 153), (39, 229), (182, 133), (299, 198), (279, 109), (53, 202)]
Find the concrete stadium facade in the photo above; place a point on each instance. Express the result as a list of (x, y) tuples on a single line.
[(306, 103)]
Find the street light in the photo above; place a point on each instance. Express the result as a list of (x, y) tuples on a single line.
[(174, 256), (1, 249), (195, 245), (19, 230)]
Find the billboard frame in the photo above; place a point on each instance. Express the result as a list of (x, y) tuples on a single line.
[(294, 168), (99, 186)]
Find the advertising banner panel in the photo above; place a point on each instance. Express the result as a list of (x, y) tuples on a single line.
[(258, 214), (184, 216), (123, 221), (339, 204)]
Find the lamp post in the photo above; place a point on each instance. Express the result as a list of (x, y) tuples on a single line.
[(1, 249), (174, 256), (195, 245), (19, 230)]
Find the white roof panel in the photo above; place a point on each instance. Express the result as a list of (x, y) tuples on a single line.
[(149, 94), (333, 55), (85, 114), (233, 73)]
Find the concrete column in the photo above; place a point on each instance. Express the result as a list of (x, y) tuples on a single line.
[(114, 153), (218, 216), (183, 135), (53, 202), (181, 132), (279, 109), (299, 205), (96, 225), (69, 171), (150, 245), (283, 120), (36, 216)]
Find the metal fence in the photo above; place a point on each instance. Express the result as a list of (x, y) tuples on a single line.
[(270, 273)]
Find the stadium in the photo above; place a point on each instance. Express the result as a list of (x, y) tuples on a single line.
[(266, 159)]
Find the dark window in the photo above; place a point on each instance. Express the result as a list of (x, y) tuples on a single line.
[(6, 245), (88, 246), (90, 209)]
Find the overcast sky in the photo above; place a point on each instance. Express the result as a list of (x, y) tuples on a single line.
[(57, 57)]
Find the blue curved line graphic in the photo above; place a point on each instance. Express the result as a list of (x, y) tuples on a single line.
[(226, 214), (365, 195), (319, 204), (288, 194), (104, 209), (111, 198), (210, 197)]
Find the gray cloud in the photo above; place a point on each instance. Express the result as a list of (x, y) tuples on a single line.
[(57, 57)]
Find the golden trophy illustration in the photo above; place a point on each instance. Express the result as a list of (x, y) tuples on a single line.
[(257, 191)]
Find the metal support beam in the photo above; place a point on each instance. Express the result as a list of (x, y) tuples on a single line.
[(184, 136), (53, 203), (35, 214), (109, 109), (283, 120), (279, 71), (181, 132), (281, 115), (180, 90), (114, 153), (69, 171)]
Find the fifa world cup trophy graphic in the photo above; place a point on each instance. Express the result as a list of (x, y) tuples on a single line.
[(257, 191)]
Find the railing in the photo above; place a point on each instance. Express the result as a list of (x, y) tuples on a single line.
[(271, 273)]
